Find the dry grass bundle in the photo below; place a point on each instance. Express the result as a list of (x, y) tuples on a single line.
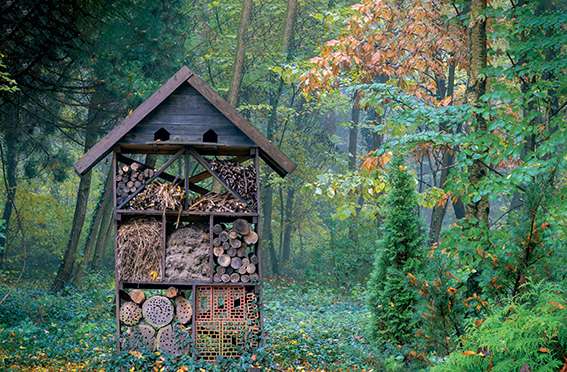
[(139, 250), (214, 202), (158, 196)]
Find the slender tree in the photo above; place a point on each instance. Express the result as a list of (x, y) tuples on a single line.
[(65, 272), (390, 297), (478, 207), (267, 195), (240, 52)]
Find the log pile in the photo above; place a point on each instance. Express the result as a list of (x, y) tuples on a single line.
[(187, 253), (241, 178), (158, 196), (139, 250), (233, 250), (157, 323), (129, 178), (215, 202)]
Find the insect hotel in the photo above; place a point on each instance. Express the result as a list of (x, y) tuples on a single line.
[(188, 246)]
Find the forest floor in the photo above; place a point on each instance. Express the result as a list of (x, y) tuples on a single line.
[(308, 326)]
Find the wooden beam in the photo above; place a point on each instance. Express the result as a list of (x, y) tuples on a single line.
[(150, 180), (206, 165)]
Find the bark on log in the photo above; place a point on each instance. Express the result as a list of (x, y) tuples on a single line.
[(236, 263), (137, 296), (171, 292), (218, 251), (241, 226), (251, 238), (224, 260)]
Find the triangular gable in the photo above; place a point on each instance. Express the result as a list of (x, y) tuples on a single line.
[(186, 115), (269, 152)]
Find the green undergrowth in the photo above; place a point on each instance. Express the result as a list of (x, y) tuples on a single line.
[(307, 326)]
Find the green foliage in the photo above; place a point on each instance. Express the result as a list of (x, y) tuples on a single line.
[(7, 84), (391, 300), (529, 333), (76, 330)]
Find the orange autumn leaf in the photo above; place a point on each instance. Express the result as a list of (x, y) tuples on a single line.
[(373, 162), (445, 101), (543, 350), (557, 305), (469, 353)]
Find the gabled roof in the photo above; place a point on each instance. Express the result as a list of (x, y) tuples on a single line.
[(276, 159)]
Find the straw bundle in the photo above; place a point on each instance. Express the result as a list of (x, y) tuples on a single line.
[(139, 250)]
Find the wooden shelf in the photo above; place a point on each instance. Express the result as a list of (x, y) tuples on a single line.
[(188, 284), (132, 212)]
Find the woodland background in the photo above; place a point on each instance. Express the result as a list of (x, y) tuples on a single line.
[(430, 142)]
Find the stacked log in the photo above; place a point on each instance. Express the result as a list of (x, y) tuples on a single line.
[(157, 323), (234, 257), (158, 196), (129, 178), (215, 202), (187, 253), (241, 178)]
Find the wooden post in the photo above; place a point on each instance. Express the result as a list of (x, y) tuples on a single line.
[(194, 319), (186, 175), (117, 281), (258, 286)]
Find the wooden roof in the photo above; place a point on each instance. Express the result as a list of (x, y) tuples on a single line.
[(276, 159)]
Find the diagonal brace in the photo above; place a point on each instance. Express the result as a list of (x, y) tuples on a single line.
[(206, 165), (152, 178)]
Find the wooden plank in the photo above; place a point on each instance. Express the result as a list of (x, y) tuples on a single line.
[(270, 153), (117, 282), (184, 284), (149, 212), (171, 147), (205, 164), (103, 147), (186, 175), (149, 180)]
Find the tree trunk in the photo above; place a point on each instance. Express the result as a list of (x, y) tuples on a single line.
[(240, 52), (102, 246), (439, 211), (352, 151), (10, 163), (65, 272), (96, 226), (353, 132), (478, 210), (267, 197), (286, 240)]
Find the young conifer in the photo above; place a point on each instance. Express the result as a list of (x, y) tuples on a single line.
[(391, 297)]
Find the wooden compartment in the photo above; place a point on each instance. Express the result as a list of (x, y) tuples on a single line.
[(234, 246)]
